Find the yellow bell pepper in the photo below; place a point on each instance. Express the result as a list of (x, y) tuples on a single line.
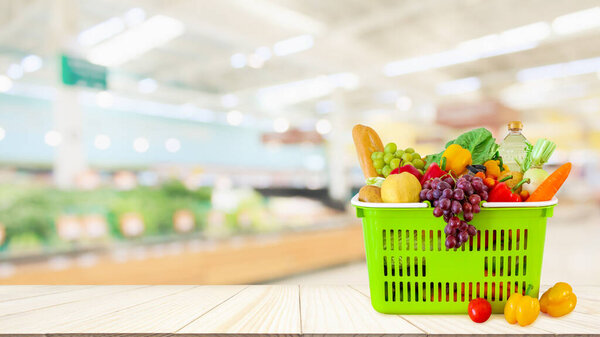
[(457, 159), (521, 309), (492, 168), (559, 300)]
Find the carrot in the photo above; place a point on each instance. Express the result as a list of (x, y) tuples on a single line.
[(550, 186)]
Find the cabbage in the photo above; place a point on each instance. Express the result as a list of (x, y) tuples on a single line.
[(536, 177)]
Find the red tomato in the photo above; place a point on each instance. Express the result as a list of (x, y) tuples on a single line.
[(480, 310)]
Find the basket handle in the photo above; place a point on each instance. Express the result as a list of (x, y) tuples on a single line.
[(360, 213)]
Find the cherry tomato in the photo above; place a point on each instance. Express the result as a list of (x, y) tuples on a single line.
[(480, 310)]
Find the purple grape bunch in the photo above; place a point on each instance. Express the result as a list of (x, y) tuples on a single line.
[(451, 198)]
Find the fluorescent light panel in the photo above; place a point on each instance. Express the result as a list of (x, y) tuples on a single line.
[(509, 41), (576, 22), (293, 45), (136, 41), (101, 32), (558, 70), (299, 91)]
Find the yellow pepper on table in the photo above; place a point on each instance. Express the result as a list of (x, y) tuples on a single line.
[(521, 309), (457, 159), (559, 300)]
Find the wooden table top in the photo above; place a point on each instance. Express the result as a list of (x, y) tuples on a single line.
[(260, 310)]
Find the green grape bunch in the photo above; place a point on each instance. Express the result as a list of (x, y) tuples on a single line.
[(392, 158)]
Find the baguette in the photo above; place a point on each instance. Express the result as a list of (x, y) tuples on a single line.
[(366, 142)]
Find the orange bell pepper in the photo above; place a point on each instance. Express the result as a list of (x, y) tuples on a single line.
[(559, 300), (493, 168), (521, 309)]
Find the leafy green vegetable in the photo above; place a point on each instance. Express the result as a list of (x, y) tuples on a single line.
[(526, 163), (479, 142), (538, 155)]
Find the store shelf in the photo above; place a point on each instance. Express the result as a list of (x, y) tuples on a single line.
[(284, 310), (241, 259)]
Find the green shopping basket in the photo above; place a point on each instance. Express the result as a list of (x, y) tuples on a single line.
[(412, 272)]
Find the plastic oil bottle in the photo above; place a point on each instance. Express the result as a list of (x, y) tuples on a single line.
[(513, 147)]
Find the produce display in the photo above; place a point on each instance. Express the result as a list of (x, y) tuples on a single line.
[(458, 179), (455, 183)]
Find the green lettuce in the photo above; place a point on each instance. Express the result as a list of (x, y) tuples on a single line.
[(479, 142)]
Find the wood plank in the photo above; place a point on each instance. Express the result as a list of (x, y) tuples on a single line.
[(254, 259), (160, 316), (54, 319), (14, 292), (53, 299), (256, 310), (341, 311)]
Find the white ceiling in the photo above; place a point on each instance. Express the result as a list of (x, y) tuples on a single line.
[(353, 36)]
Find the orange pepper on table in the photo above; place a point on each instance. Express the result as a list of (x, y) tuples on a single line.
[(521, 309), (559, 300)]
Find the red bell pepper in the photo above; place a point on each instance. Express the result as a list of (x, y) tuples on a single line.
[(408, 168), (502, 193), (434, 171)]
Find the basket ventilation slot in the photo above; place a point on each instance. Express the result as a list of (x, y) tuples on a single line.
[(422, 240), (400, 291)]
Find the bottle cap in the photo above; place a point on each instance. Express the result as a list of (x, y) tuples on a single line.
[(515, 126)]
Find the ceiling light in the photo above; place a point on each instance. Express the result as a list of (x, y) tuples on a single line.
[(298, 91), (576, 22), (101, 32), (323, 126), (104, 99), (31, 63), (293, 45), (5, 83), (102, 142), (235, 117), (141, 145), (136, 41), (172, 145), (510, 41), (2, 133), (135, 16), (264, 53), (15, 71), (533, 32), (281, 125), (229, 100), (255, 61), (460, 86), (427, 62), (53, 138), (147, 86), (344, 80), (404, 103), (238, 60), (558, 70)]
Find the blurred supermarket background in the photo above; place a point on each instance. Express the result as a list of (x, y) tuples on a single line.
[(209, 141)]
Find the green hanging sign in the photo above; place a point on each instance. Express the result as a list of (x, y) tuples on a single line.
[(79, 72)]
